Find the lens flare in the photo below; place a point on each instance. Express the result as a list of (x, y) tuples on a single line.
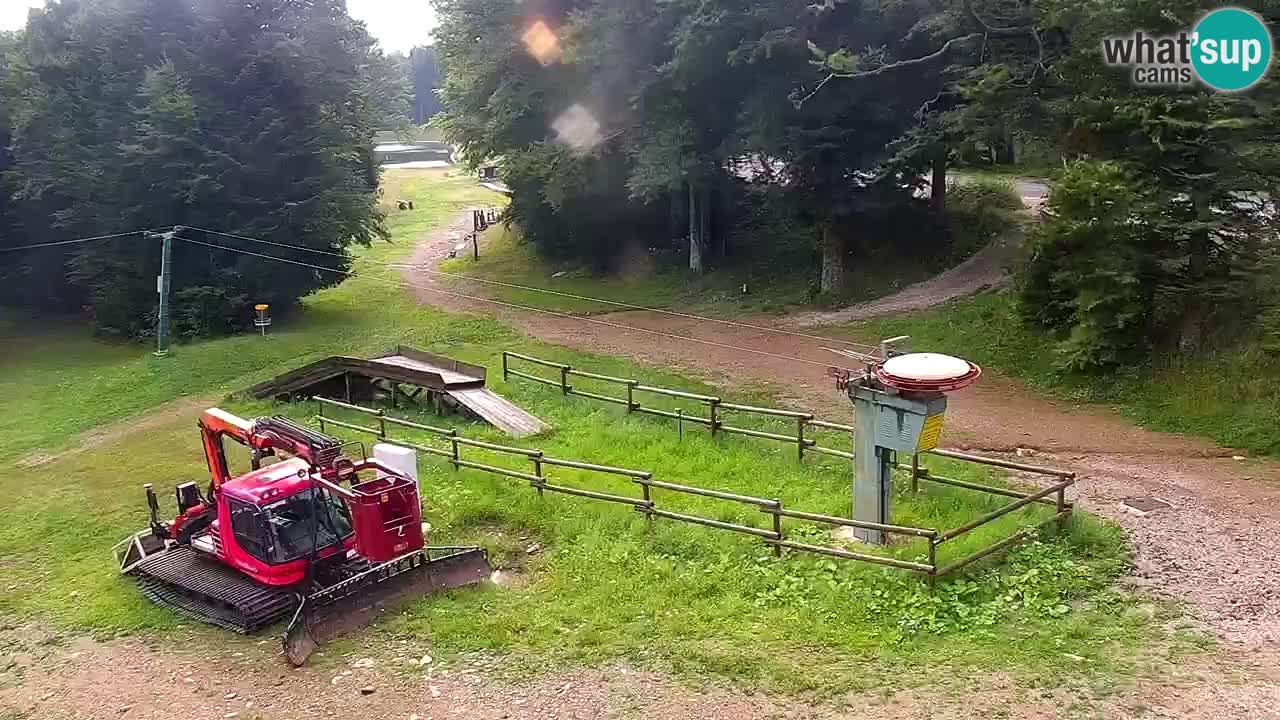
[(542, 43), (577, 128)]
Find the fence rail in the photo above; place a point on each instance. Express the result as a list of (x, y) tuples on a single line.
[(715, 406), (774, 535)]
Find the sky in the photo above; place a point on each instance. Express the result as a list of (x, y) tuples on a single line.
[(397, 24)]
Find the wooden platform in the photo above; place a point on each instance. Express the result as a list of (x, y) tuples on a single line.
[(449, 382), (499, 412)]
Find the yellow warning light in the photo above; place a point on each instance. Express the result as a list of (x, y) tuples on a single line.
[(542, 43)]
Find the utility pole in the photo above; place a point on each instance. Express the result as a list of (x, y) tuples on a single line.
[(162, 287)]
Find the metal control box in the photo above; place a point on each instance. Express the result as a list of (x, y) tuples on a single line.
[(904, 424), (887, 423)]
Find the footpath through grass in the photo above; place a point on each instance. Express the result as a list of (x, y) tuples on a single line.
[(593, 583), (1230, 396), (773, 285)]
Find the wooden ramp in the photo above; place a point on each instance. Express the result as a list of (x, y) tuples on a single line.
[(447, 382), (499, 411)]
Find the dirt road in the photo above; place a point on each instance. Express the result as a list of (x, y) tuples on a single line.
[(81, 679)]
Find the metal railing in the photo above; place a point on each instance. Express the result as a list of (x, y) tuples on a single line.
[(774, 534)]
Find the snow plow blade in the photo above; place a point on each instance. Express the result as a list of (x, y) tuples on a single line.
[(353, 603)]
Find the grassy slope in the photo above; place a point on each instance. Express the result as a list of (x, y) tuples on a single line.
[(504, 258), (1229, 396), (718, 293), (681, 597)]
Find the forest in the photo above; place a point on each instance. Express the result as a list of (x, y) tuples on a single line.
[(808, 137), (819, 135), (123, 115)]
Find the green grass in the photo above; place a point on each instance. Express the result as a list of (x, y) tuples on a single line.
[(1000, 174), (505, 259), (1229, 396), (58, 382), (718, 293), (412, 133), (603, 586)]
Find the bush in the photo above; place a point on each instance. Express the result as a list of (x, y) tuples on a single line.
[(204, 310), (977, 213), (1091, 278)]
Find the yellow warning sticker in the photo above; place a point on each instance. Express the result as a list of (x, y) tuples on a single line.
[(932, 432)]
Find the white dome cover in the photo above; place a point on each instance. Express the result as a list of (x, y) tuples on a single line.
[(926, 366)]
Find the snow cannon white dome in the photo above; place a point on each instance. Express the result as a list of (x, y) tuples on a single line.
[(927, 372)]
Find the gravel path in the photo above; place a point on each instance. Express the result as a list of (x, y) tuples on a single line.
[(985, 269), (45, 677)]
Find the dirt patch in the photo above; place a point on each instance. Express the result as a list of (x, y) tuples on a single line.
[(50, 678)]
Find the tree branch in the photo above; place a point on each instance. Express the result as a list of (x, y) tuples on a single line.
[(890, 67), (988, 31), (1008, 31)]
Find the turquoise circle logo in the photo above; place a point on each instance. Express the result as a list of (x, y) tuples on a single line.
[(1232, 49)]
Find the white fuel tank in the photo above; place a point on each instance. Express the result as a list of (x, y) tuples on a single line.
[(401, 459)]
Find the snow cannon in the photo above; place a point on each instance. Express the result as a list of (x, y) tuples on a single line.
[(899, 407)]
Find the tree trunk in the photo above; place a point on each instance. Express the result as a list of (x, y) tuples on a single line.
[(938, 183), (1191, 334), (675, 216), (704, 221), (1005, 156), (832, 279), (696, 225)]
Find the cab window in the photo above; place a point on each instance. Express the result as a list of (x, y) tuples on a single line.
[(250, 528)]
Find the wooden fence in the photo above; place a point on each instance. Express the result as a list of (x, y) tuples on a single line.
[(716, 408), (773, 532)]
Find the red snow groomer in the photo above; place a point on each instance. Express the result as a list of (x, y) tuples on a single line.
[(315, 536)]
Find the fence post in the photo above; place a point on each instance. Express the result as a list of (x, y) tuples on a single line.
[(453, 444), (537, 470), (680, 423), (320, 417), (382, 424), (800, 423), (933, 559), (631, 402), (715, 416), (644, 490), (915, 473), (564, 379), (777, 525), (1062, 506), (504, 366)]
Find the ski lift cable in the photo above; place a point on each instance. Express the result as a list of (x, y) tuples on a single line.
[(515, 306)]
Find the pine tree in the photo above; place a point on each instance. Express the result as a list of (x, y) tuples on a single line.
[(250, 118)]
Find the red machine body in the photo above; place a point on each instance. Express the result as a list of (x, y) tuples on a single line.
[(387, 518), (314, 536), (273, 522)]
